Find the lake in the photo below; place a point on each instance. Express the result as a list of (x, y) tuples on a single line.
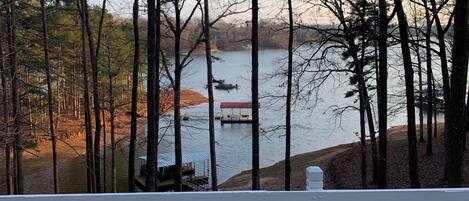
[(313, 125)]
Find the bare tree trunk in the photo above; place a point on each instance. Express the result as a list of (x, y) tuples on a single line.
[(435, 125), (49, 97), (363, 164), (94, 55), (157, 84), (31, 130), (15, 98), (371, 128), (15, 170), (369, 113), (445, 75), (419, 68), (255, 96), (429, 147), (4, 75), (177, 97), (9, 181), (104, 149), (112, 123), (409, 82), (152, 103), (456, 115), (363, 95), (91, 179), (382, 93), (442, 54), (73, 90), (113, 142), (211, 110), (76, 70), (358, 65), (133, 124), (177, 29), (289, 97)]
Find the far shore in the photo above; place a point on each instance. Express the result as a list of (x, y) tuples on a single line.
[(341, 166), (201, 52)]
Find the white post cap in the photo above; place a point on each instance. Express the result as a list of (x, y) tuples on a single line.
[(314, 178)]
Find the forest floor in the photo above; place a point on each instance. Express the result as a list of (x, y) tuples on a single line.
[(71, 145), (341, 166)]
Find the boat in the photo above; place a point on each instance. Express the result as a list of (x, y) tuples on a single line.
[(224, 86), (194, 172), (186, 117), (218, 81)]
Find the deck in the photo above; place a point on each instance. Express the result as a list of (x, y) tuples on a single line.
[(195, 183)]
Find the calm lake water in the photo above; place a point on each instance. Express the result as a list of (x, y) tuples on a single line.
[(312, 129)]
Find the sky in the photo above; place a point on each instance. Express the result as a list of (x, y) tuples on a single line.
[(268, 9)]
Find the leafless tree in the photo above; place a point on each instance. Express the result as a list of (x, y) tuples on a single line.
[(153, 94), (456, 117), (255, 95), (382, 94), (5, 115), (94, 56), (211, 110), (409, 83), (16, 105), (49, 95), (133, 124), (289, 97), (91, 179)]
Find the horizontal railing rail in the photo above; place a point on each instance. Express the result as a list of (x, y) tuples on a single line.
[(314, 193), (327, 195)]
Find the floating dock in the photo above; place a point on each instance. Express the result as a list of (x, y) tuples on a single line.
[(237, 112)]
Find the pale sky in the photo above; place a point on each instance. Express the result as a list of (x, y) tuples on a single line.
[(268, 9)]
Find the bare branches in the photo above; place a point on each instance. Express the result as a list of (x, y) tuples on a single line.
[(169, 21), (166, 68), (190, 15)]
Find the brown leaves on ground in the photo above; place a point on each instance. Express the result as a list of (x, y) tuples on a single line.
[(341, 165), (71, 144)]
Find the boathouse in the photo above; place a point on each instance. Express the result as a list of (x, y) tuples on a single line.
[(236, 112)]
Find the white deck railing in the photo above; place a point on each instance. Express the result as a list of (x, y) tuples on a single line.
[(314, 185)]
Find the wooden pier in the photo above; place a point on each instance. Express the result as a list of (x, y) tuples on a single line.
[(196, 183), (167, 170)]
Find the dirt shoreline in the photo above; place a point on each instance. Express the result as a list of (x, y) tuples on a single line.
[(341, 166), (37, 161)]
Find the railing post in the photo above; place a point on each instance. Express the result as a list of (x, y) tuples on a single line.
[(314, 179)]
